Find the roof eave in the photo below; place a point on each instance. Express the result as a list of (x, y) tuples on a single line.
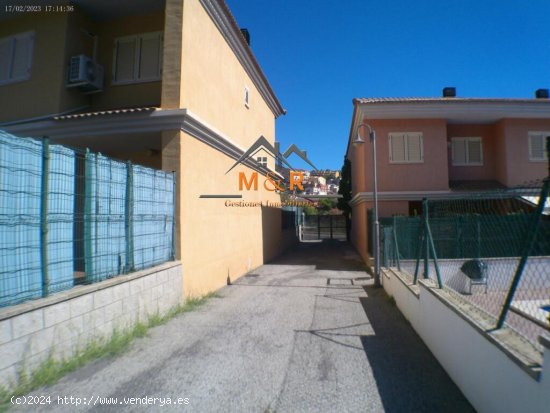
[(475, 110)]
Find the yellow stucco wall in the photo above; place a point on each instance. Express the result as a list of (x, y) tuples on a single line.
[(131, 95), (213, 81), (40, 95), (76, 42), (214, 241), (58, 36), (218, 241)]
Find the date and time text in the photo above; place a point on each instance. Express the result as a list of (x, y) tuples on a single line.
[(56, 8)]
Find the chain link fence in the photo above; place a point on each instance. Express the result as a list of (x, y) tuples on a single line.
[(69, 216), (491, 248)]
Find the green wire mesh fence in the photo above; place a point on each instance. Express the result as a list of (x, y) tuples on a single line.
[(493, 249), (69, 216)]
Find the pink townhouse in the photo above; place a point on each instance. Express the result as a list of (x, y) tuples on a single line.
[(435, 147)]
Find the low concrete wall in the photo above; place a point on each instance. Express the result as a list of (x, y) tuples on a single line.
[(500, 272), (61, 324), (496, 370)]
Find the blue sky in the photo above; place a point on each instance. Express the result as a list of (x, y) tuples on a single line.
[(319, 55)]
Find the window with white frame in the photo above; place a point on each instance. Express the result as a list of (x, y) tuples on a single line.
[(262, 161), (466, 151), (137, 58), (537, 146), (406, 147), (16, 57)]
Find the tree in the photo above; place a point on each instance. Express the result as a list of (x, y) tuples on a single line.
[(325, 205), (310, 210), (345, 188)]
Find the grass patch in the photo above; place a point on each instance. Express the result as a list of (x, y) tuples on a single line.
[(51, 369), (391, 300)]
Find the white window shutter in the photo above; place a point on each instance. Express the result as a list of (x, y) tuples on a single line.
[(5, 59), (414, 147), (536, 147), (150, 56), (397, 147), (475, 152), (458, 149), (125, 56)]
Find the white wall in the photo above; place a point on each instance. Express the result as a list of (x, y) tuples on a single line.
[(500, 272), (63, 323), (492, 378)]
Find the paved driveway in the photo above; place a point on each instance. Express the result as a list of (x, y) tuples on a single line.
[(307, 333)]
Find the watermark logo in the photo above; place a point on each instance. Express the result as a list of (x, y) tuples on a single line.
[(284, 178)]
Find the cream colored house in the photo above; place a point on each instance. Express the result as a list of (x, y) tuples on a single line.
[(168, 84)]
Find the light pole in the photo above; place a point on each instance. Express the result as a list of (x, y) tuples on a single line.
[(376, 237)]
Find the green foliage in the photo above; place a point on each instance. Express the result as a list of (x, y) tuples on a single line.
[(310, 210), (345, 188), (326, 204)]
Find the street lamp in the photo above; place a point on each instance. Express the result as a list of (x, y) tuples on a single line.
[(376, 237)]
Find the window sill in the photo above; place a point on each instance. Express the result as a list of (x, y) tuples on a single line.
[(406, 162), (466, 164), (12, 81), (135, 82)]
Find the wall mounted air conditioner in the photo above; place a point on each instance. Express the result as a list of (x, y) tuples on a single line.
[(85, 74)]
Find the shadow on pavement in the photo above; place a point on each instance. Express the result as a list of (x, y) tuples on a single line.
[(408, 376), (331, 255)]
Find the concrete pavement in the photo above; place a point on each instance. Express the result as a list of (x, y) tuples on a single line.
[(307, 333)]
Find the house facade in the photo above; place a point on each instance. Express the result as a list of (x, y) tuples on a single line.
[(438, 147), (168, 84)]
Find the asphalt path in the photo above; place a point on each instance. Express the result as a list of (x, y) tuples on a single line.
[(306, 333)]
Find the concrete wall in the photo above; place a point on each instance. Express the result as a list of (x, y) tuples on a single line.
[(490, 373), (358, 233), (61, 324), (518, 167), (500, 271), (135, 94), (501, 168), (414, 176), (40, 95), (489, 142), (58, 36), (76, 42)]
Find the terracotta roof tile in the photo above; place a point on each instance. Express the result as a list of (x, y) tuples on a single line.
[(105, 113), (448, 100)]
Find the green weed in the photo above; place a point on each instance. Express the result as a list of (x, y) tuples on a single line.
[(51, 369)]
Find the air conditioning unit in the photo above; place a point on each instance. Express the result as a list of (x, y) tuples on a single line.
[(85, 74)]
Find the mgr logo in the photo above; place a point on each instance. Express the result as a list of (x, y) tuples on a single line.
[(274, 180)]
